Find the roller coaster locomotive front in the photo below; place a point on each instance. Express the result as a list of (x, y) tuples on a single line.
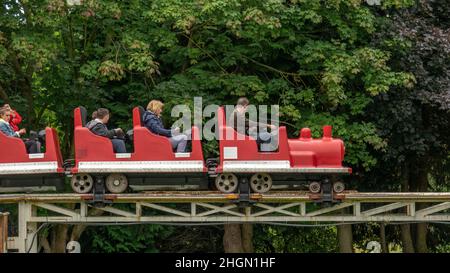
[(297, 163)]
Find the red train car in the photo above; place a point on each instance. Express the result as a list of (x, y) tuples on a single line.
[(297, 161), (20, 171), (152, 165)]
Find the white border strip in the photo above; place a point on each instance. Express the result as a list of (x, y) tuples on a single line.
[(140, 166), (28, 167), (27, 189), (35, 156), (123, 155), (164, 187), (182, 155), (276, 166)]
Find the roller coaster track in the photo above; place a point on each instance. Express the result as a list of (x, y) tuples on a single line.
[(205, 207)]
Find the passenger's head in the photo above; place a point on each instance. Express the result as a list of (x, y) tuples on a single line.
[(242, 102), (155, 106), (7, 106), (94, 115), (102, 114), (5, 113)]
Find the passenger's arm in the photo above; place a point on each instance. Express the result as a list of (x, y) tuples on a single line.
[(110, 133), (21, 132), (253, 123), (17, 118), (5, 129), (156, 128), (101, 130)]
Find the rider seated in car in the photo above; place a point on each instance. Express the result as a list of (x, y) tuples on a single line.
[(153, 122), (15, 119), (98, 127), (5, 128), (263, 138)]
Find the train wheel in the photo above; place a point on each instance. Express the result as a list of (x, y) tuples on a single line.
[(338, 187), (314, 187), (226, 182), (261, 182), (116, 183), (82, 183)]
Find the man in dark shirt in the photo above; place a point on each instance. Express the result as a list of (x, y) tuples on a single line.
[(251, 127), (98, 127)]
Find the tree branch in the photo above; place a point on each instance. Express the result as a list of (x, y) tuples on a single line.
[(209, 55)]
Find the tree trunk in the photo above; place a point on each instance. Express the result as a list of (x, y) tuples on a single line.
[(384, 244), (43, 242), (232, 239), (423, 167), (345, 239), (3, 95), (407, 242), (27, 92), (59, 240), (25, 81), (79, 229), (61, 234), (405, 230), (421, 238), (247, 238), (419, 177)]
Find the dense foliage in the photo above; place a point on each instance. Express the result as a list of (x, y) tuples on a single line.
[(378, 74)]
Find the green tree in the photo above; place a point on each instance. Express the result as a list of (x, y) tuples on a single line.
[(317, 59), (415, 122)]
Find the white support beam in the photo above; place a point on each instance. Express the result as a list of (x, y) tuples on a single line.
[(411, 209), (433, 209), (303, 209), (193, 209), (260, 219), (216, 209), (357, 209), (118, 212), (166, 209), (330, 209), (83, 209), (281, 209), (290, 207), (54, 219), (53, 208), (384, 208), (138, 209)]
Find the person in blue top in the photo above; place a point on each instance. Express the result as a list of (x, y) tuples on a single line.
[(153, 122), (5, 128)]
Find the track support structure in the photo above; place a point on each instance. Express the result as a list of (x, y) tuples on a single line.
[(216, 208)]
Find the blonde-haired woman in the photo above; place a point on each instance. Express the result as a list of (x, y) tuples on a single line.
[(153, 122)]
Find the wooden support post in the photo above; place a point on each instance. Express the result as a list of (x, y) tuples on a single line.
[(193, 209), (27, 229), (3, 232)]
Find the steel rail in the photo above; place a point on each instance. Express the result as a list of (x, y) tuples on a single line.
[(214, 196)]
